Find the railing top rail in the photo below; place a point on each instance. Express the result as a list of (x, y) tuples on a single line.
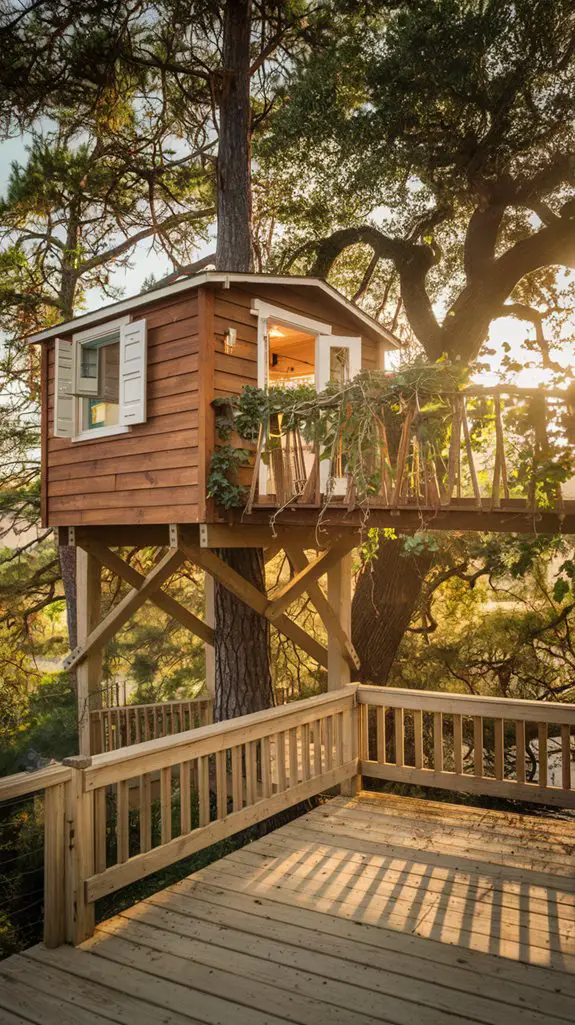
[(463, 704), (151, 755), (23, 783), (154, 704)]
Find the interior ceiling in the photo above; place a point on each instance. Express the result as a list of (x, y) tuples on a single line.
[(293, 344)]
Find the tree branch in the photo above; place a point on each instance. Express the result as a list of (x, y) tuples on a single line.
[(123, 247)]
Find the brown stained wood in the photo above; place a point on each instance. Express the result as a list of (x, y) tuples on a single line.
[(206, 386), (566, 757), (499, 753), (542, 754)]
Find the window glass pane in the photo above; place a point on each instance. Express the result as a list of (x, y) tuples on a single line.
[(103, 357), (291, 356)]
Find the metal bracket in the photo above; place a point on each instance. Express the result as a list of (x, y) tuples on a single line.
[(72, 656), (72, 536), (204, 535), (173, 535)]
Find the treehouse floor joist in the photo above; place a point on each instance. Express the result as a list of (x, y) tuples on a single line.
[(370, 910)]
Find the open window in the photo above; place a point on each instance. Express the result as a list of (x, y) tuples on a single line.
[(101, 380), (295, 350)]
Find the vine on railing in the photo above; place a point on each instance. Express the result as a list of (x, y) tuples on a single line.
[(417, 438)]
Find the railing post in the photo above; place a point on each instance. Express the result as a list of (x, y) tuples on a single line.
[(79, 853), (339, 597), (54, 866), (350, 739)]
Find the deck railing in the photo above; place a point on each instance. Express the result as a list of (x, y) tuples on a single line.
[(480, 448), (113, 819), (520, 750), (123, 725)]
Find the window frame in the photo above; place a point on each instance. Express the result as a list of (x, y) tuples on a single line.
[(83, 338)]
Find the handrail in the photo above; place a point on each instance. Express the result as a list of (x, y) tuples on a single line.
[(23, 783), (397, 744)]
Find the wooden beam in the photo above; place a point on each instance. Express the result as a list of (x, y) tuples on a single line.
[(309, 573), (125, 535), (241, 535), (88, 675), (250, 595), (168, 605), (330, 620), (339, 597), (119, 615)]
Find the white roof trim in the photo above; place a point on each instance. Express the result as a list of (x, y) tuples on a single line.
[(207, 277)]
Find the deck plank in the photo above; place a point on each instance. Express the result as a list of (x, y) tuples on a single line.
[(368, 910)]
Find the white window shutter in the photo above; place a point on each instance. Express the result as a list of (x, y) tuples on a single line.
[(64, 398), (133, 362)]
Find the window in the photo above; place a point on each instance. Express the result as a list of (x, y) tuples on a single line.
[(101, 380)]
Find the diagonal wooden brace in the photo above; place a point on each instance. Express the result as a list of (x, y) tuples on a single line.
[(119, 615), (250, 595), (326, 613), (170, 606), (306, 576)]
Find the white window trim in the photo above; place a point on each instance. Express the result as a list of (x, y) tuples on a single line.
[(82, 338), (264, 312)]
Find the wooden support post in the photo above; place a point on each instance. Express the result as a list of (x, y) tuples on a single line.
[(88, 674), (339, 597), (350, 747), (54, 866), (210, 619), (330, 619), (79, 853)]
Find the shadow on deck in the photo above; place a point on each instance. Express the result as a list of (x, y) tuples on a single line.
[(365, 910)]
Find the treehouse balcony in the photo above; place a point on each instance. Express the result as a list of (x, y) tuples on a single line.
[(366, 908), (477, 458)]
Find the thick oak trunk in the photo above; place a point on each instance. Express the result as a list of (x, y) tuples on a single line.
[(385, 597), (243, 679)]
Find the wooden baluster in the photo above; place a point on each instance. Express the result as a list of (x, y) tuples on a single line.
[(54, 865), (102, 729), (438, 741), (146, 723), (500, 469), (164, 722), (363, 732), (203, 790), (185, 799), (137, 725), (328, 724), (221, 785), (265, 754), (454, 462), (399, 737), (386, 480), (305, 753), (520, 750), (338, 738), (542, 744), (145, 813), (166, 803), (478, 745), (402, 453), (122, 821), (237, 779), (256, 472), (293, 757), (469, 453), (458, 743), (280, 751), (317, 759), (380, 735), (251, 773), (566, 757), (499, 744), (418, 737)]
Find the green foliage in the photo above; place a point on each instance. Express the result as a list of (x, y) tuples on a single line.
[(224, 463)]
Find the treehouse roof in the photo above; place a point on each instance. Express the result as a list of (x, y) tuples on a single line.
[(370, 328)]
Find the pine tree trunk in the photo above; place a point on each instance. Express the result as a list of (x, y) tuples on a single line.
[(241, 637), (385, 597), (243, 679)]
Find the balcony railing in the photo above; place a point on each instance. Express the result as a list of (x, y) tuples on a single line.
[(104, 830), (480, 448), (123, 725)]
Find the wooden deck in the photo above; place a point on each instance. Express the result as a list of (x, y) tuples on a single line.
[(376, 909)]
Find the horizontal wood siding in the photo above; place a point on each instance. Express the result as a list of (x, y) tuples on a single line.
[(151, 474)]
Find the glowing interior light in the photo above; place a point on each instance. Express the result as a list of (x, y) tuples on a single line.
[(276, 333)]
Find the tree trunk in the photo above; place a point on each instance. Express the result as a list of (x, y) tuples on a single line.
[(385, 597), (67, 555), (234, 197), (243, 679), (241, 637)]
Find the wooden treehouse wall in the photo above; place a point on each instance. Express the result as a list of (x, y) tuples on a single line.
[(151, 474)]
